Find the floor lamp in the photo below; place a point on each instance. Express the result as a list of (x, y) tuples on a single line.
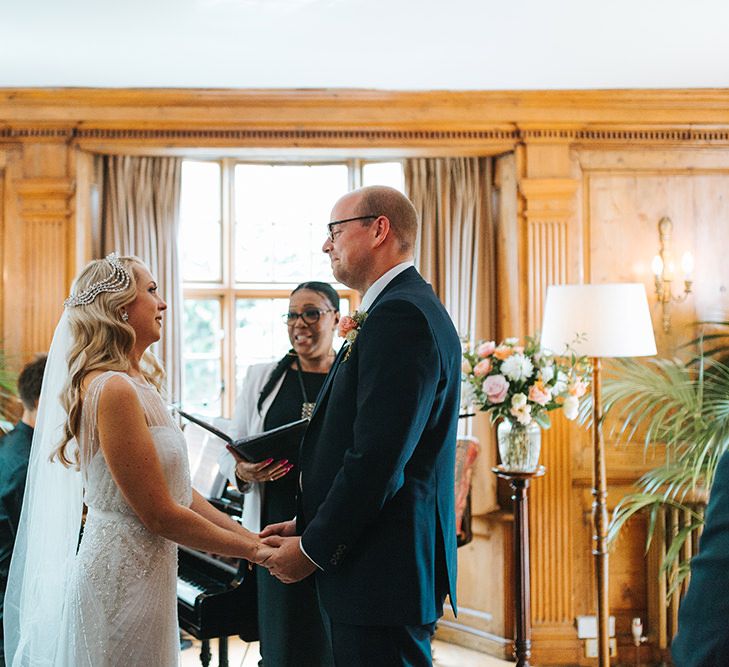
[(611, 321)]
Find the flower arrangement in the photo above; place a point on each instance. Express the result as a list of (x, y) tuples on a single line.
[(522, 383)]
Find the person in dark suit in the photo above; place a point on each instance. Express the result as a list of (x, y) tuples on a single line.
[(376, 517), (14, 456), (703, 616)]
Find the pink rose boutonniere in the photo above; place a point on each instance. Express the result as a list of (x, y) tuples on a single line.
[(349, 327)]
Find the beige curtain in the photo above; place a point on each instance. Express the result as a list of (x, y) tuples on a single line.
[(456, 254), (455, 250), (140, 214)]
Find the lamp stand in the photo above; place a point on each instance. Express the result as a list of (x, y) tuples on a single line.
[(600, 519)]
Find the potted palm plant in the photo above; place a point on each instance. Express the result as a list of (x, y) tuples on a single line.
[(684, 406)]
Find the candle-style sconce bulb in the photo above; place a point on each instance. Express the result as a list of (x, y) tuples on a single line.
[(664, 270), (687, 264)]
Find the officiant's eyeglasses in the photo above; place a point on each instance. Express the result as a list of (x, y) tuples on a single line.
[(308, 316), (330, 226)]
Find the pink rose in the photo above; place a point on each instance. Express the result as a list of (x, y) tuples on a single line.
[(495, 387), (486, 349), (539, 394), (346, 324), (482, 368), (577, 388)]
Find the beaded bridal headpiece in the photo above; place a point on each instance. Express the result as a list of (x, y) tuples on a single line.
[(117, 281)]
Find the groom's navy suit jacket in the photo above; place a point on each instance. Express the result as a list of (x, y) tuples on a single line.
[(378, 461)]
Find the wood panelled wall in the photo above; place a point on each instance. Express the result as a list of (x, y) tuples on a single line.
[(584, 179)]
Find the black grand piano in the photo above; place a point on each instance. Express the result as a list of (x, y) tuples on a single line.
[(215, 597), (214, 600)]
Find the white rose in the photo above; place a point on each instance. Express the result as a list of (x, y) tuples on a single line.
[(468, 396), (560, 386), (511, 341), (517, 367), (523, 415), (570, 407), (547, 373), (518, 401)]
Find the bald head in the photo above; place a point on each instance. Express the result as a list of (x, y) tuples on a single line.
[(396, 207), (371, 230)]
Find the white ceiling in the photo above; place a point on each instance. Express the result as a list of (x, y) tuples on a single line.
[(387, 44)]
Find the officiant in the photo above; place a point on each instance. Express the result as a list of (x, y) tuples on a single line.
[(273, 394)]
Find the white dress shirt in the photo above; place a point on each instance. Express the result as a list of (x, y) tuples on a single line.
[(383, 281)]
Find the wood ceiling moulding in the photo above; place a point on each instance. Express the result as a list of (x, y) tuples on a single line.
[(461, 110)]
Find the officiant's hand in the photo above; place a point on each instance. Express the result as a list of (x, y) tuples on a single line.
[(287, 562), (283, 529), (264, 471)]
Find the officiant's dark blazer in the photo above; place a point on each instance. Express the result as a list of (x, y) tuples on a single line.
[(703, 617), (378, 461)]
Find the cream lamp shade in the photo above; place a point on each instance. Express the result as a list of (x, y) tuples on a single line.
[(612, 320)]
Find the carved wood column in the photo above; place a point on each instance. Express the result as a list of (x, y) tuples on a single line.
[(549, 207), (37, 255)]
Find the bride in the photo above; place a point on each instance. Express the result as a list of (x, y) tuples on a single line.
[(104, 437)]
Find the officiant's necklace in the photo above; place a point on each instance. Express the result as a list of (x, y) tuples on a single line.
[(307, 407)]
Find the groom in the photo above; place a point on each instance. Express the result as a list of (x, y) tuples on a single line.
[(376, 507)]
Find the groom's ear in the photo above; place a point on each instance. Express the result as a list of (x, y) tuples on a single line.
[(336, 318)]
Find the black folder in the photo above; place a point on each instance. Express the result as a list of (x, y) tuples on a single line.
[(278, 443)]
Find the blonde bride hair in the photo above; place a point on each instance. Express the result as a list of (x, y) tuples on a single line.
[(102, 340)]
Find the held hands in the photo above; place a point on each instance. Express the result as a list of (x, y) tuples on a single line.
[(285, 561), (261, 554), (265, 471)]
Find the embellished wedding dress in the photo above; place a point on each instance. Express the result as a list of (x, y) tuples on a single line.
[(121, 605)]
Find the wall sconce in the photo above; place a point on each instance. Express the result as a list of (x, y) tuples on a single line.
[(664, 270)]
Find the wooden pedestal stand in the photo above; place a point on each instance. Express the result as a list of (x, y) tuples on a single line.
[(519, 482)]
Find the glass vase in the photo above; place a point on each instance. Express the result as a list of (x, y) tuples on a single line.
[(519, 445)]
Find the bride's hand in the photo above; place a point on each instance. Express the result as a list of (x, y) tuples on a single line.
[(261, 553)]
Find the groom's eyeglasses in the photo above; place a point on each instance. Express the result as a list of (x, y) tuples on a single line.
[(308, 316), (330, 226)]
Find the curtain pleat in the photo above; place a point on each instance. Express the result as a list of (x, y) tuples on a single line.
[(455, 249), (140, 215), (455, 252)]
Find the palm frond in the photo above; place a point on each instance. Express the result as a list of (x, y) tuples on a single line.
[(682, 571), (677, 542), (685, 407), (712, 344)]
